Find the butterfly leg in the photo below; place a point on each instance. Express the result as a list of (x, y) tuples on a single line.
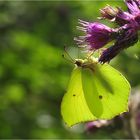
[(90, 53)]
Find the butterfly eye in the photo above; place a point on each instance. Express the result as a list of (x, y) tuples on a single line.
[(78, 63)]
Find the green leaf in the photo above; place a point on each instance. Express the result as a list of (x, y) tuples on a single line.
[(98, 93)]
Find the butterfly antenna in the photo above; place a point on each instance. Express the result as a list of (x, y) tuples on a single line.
[(78, 53), (67, 58), (71, 59)]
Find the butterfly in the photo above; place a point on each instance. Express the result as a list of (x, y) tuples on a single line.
[(95, 91)]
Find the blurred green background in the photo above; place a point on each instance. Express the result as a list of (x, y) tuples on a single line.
[(33, 74)]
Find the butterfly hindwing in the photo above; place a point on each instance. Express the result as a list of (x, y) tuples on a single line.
[(106, 91)]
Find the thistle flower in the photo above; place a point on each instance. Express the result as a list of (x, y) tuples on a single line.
[(133, 7), (129, 31), (119, 16), (115, 14), (109, 12), (97, 35), (126, 35), (94, 125), (127, 38)]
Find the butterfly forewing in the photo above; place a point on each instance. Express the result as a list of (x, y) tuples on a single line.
[(74, 108)]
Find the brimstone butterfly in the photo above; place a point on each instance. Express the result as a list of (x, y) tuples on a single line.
[(95, 92)]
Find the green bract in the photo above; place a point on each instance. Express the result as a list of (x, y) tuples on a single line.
[(95, 91)]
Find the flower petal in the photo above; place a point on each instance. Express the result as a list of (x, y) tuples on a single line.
[(133, 6), (97, 35)]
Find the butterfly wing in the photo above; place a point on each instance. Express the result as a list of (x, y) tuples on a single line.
[(100, 93), (74, 108), (106, 91)]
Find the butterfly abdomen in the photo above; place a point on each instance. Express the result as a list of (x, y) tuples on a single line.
[(88, 63)]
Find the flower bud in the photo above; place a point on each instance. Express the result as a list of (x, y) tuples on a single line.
[(109, 12)]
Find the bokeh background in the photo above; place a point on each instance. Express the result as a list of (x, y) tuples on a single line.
[(34, 76)]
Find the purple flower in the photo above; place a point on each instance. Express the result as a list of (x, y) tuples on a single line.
[(115, 14), (109, 12), (123, 18), (119, 16), (127, 38), (133, 7), (128, 35), (97, 35), (94, 125)]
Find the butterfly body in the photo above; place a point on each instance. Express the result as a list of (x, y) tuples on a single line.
[(86, 63)]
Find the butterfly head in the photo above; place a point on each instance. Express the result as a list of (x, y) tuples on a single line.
[(79, 62)]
